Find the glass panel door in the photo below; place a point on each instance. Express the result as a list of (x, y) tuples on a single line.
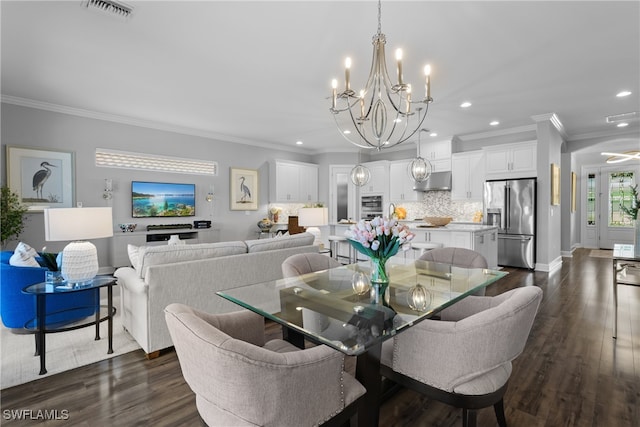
[(616, 227)]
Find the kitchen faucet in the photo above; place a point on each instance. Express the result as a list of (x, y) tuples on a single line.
[(392, 210)]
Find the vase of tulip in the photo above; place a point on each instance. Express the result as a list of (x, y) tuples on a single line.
[(379, 239)]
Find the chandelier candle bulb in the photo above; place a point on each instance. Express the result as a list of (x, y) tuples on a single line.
[(399, 59), (427, 84), (347, 74), (334, 87)]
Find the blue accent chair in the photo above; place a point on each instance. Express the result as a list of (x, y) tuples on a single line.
[(17, 308)]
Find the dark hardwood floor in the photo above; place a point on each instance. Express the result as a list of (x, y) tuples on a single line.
[(571, 373)]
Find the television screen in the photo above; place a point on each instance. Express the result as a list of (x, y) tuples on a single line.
[(161, 199)]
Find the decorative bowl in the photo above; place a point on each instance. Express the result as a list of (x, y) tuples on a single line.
[(265, 224), (439, 221), (128, 227)]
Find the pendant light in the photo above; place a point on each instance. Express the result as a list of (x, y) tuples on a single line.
[(360, 175), (419, 168)]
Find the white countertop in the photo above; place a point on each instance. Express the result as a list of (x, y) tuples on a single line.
[(453, 226)]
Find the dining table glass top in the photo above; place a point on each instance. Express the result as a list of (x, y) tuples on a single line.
[(333, 307)]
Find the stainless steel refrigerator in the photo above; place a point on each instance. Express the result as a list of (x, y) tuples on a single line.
[(511, 205)]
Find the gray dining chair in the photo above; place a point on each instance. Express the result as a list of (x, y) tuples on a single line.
[(241, 380), (458, 257), (464, 360), (299, 264)]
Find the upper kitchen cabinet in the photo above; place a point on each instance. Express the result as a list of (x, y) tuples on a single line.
[(438, 153), (379, 181), (293, 182), (511, 160), (400, 183), (467, 176)]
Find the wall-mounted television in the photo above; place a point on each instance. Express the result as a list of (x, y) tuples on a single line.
[(162, 199)]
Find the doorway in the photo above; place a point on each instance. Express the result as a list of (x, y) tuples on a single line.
[(342, 194), (606, 189)]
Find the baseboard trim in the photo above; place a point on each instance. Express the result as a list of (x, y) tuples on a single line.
[(553, 265)]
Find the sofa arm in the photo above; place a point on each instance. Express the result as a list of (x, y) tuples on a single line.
[(128, 278)]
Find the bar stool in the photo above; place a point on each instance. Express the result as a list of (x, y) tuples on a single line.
[(422, 247), (335, 242)]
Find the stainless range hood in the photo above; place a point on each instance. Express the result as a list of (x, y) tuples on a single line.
[(437, 181)]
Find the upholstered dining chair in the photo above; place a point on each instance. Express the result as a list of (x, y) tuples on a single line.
[(464, 360), (459, 257), (299, 264), (241, 380)]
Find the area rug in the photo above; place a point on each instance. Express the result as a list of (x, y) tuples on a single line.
[(65, 350), (600, 253)]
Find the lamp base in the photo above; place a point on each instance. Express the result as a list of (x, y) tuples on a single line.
[(79, 262)]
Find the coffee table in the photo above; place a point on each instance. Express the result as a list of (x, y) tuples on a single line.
[(323, 307), (38, 325)]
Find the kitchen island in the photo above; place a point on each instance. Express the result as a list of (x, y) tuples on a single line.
[(478, 237)]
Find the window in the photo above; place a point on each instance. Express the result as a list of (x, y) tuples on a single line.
[(591, 199), (619, 194)]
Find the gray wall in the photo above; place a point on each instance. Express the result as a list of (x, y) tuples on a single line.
[(28, 127)]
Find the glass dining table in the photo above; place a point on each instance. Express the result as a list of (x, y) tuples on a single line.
[(338, 308)]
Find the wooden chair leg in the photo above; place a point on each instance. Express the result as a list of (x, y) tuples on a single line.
[(499, 409)]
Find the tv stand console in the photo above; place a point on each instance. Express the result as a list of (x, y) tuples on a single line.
[(156, 236)]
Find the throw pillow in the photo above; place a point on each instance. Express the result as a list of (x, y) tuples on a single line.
[(24, 256), (134, 256)]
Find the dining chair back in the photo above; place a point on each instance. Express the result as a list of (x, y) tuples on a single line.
[(299, 264), (464, 359), (240, 379)]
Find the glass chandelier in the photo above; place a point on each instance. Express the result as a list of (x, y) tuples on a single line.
[(360, 174), (381, 115)]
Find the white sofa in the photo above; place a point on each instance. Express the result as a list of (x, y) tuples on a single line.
[(191, 275)]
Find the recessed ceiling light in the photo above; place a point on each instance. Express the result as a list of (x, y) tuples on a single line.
[(298, 142), (465, 104), (622, 124), (623, 93), (347, 132), (494, 123), (433, 134)]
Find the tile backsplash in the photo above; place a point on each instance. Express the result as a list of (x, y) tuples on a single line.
[(439, 203)]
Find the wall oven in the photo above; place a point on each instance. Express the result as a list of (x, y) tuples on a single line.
[(370, 206)]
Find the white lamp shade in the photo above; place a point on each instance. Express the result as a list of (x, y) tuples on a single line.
[(313, 217), (64, 224), (79, 258)]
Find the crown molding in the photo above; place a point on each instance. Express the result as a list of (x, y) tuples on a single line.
[(496, 133), (555, 121), (149, 124)]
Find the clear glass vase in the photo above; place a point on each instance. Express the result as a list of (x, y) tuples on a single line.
[(379, 280)]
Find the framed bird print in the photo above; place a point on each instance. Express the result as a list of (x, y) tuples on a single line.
[(243, 189), (41, 178)]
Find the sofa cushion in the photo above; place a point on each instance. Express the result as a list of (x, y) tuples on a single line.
[(24, 256), (284, 242), (169, 254), (134, 256)]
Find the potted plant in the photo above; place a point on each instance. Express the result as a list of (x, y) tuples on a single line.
[(12, 215)]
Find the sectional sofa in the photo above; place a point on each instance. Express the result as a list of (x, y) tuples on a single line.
[(191, 275)]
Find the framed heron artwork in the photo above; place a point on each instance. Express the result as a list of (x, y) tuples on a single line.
[(41, 178), (243, 189)]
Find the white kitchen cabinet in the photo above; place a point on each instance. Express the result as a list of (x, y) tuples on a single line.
[(486, 243), (438, 153), (293, 182), (467, 176), (379, 182), (400, 183), (434, 236), (508, 161)]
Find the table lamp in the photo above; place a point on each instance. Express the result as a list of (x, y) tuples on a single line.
[(312, 218), (80, 257)]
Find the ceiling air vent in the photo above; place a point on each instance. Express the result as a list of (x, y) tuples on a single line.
[(111, 7), (624, 117)]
